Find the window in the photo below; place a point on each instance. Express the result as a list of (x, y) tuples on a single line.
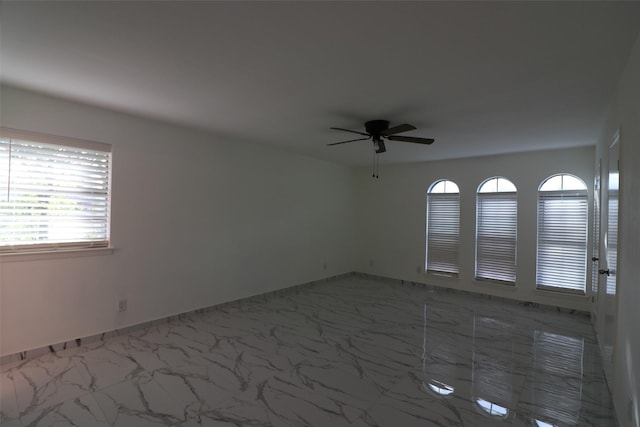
[(612, 229), (54, 192), (562, 234), (496, 227), (443, 227), (596, 231)]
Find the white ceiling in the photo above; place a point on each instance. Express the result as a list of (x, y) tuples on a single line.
[(479, 77)]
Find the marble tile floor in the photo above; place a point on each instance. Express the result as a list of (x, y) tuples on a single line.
[(349, 352)]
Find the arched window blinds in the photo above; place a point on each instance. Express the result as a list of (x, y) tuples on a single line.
[(562, 234), (496, 230), (443, 227)]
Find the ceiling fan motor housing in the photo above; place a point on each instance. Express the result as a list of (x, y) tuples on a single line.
[(376, 127)]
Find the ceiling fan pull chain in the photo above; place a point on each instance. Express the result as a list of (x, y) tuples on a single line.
[(373, 165)]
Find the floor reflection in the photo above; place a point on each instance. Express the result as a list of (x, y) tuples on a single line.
[(511, 373), (479, 370), (491, 408), (439, 388), (557, 378), (492, 374)]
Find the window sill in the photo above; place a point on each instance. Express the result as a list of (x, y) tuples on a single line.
[(59, 254), (494, 283), (560, 292), (441, 275)]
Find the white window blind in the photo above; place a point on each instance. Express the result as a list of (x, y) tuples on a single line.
[(496, 231), (443, 228), (54, 192), (562, 235)]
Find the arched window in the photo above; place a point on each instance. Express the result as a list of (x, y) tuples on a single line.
[(443, 227), (562, 234), (496, 230)]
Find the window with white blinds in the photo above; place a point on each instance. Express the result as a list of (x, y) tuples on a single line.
[(443, 227), (54, 192), (496, 231), (562, 234)]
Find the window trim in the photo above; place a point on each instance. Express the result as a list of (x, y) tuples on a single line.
[(28, 250), (55, 254), (54, 139)]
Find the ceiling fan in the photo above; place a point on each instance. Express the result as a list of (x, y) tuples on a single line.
[(378, 130)]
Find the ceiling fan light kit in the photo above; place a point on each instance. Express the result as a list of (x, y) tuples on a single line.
[(377, 131)]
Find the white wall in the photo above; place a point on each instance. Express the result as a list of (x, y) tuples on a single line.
[(625, 383), (391, 214), (196, 221)]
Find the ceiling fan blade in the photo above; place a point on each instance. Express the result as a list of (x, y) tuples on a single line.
[(398, 129), (352, 131), (411, 139), (351, 140)]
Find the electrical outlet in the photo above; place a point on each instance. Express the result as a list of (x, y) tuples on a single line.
[(122, 305)]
